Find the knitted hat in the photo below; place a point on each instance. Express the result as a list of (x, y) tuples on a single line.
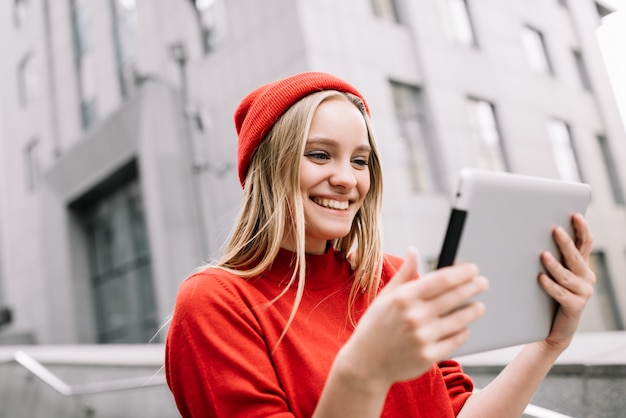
[(260, 109)]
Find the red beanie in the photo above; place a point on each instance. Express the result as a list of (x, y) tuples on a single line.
[(259, 110)]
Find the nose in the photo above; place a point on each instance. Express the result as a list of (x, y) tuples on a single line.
[(343, 175)]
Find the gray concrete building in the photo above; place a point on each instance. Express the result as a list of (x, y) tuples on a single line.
[(117, 144)]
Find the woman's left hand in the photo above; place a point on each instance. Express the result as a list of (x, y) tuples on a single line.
[(571, 282)]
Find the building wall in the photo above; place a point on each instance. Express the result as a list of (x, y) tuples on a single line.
[(185, 152)]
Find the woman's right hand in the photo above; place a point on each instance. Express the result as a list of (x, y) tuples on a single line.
[(412, 324)]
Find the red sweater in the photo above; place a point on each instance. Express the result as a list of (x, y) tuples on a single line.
[(219, 360)]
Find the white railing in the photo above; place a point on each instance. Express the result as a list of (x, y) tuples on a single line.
[(48, 377), (535, 411), (55, 382), (539, 412), (40, 371)]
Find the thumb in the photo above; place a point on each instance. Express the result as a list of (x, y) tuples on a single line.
[(407, 271)]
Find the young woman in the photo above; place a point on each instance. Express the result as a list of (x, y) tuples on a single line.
[(304, 315)]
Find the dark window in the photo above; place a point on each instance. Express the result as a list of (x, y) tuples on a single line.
[(536, 51), (84, 59), (20, 12), (461, 22), (413, 126), (386, 10), (581, 67), (604, 292), (120, 266), (611, 170), (566, 160), (486, 133), (125, 42), (212, 20), (27, 80)]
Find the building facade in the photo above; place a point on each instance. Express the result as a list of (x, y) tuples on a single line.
[(117, 143)]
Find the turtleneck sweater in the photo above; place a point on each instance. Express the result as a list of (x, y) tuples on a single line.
[(223, 358)]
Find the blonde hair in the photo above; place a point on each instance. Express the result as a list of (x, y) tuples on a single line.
[(272, 193)]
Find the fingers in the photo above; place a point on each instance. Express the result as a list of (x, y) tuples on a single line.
[(445, 329), (439, 292), (443, 280), (459, 296), (407, 272), (584, 239), (578, 284), (575, 254)]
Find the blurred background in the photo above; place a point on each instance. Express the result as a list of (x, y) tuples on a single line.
[(118, 170)]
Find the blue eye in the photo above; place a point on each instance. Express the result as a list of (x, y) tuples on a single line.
[(361, 162), (317, 155)]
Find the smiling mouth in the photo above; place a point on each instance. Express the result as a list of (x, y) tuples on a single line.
[(331, 204)]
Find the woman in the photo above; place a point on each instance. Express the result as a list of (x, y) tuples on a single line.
[(305, 316)]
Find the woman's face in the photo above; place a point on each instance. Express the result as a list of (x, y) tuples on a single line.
[(334, 172)]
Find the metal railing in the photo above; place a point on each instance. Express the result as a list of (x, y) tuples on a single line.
[(535, 411), (55, 382), (539, 412)]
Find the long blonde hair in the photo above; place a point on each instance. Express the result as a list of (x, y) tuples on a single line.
[(272, 207)]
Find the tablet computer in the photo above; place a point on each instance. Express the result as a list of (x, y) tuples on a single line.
[(502, 222)]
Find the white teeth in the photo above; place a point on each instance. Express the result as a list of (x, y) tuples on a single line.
[(332, 204)]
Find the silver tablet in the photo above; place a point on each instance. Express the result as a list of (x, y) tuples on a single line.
[(502, 222)]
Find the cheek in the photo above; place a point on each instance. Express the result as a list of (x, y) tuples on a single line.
[(308, 175), (364, 184)]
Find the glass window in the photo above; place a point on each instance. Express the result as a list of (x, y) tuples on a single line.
[(84, 57), (560, 137), (611, 170), (81, 26), (604, 293), (386, 10), (581, 67), (461, 23), (27, 80), (412, 123), (536, 51), (120, 267), (485, 130), (20, 12), (212, 19), (125, 41)]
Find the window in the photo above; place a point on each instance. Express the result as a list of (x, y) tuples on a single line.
[(412, 124), (560, 137), (611, 170), (485, 130), (604, 293), (88, 101), (31, 157), (27, 80), (84, 57), (125, 42), (212, 19), (536, 51), (461, 23), (583, 75), (81, 25), (20, 12), (386, 10), (120, 267)]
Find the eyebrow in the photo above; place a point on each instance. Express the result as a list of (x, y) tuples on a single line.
[(333, 143)]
